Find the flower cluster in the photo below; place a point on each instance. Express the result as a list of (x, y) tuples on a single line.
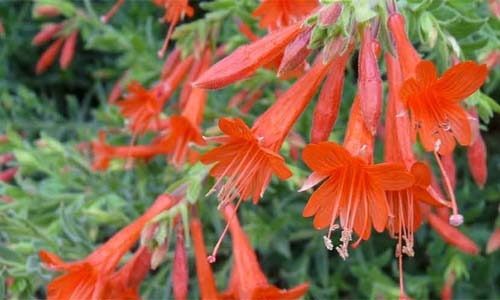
[(400, 103)]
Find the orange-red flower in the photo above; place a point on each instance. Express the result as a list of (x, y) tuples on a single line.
[(140, 107), (245, 60), (185, 128), (275, 14), (247, 164), (436, 114), (249, 157), (353, 190), (406, 53), (88, 279), (247, 279)]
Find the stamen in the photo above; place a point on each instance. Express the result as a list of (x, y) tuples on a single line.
[(112, 11), (345, 238), (456, 219), (212, 257), (328, 243)]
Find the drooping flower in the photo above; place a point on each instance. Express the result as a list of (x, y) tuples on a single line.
[(49, 56), (185, 128), (476, 154), (406, 53), (88, 278), (247, 279), (433, 102), (247, 164), (275, 14), (68, 50), (353, 191), (248, 157), (328, 105)]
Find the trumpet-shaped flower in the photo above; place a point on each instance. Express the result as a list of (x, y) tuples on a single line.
[(353, 191), (248, 157), (436, 114), (87, 279)]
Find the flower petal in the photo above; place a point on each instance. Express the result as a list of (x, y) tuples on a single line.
[(460, 125), (390, 176), (461, 81), (426, 74), (325, 157)]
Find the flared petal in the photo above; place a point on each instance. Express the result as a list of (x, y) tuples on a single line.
[(379, 210), (460, 124), (461, 81), (235, 128), (426, 74), (422, 174), (390, 176), (325, 157)]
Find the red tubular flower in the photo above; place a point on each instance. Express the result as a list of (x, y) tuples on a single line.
[(328, 105), (245, 60), (180, 270), (247, 279), (68, 50), (476, 154), (369, 81), (47, 11), (47, 33), (87, 279), (185, 129), (275, 14), (452, 235), (49, 56), (397, 119), (353, 190), (8, 174), (175, 10), (407, 55), (493, 242), (249, 157), (295, 53), (358, 140), (434, 104)]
